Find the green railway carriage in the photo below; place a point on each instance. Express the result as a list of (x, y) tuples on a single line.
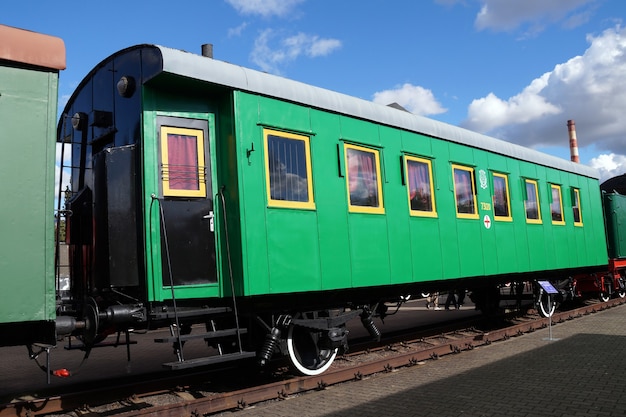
[(29, 72), (199, 183)]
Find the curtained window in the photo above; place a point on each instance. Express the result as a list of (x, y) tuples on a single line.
[(531, 203), (501, 201), (578, 220), (419, 182), (464, 192), (288, 170), (363, 179), (556, 206), (182, 162)]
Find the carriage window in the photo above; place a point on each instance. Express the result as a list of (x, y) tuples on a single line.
[(363, 179), (531, 203), (578, 220), (288, 170), (464, 192), (183, 171), (419, 180), (501, 200), (556, 206)]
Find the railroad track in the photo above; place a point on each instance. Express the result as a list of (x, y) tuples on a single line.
[(193, 397)]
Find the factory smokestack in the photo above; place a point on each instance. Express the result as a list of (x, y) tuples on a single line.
[(573, 142)]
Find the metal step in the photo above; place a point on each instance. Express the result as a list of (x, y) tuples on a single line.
[(217, 334), (209, 360)]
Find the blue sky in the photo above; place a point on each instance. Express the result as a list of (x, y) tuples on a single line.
[(516, 70)]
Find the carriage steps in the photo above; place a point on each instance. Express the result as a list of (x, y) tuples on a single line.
[(210, 335)]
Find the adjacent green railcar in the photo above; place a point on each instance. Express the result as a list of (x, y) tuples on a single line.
[(29, 72), (199, 183)]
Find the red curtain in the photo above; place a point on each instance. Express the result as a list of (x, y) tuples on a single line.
[(362, 180), (183, 162), (419, 186)]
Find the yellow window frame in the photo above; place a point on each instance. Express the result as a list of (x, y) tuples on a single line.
[(433, 205), (576, 204), (508, 218), (354, 208), (168, 190), (470, 170), (536, 188), (557, 187), (294, 204)]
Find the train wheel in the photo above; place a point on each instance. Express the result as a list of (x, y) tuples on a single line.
[(545, 304), (605, 296), (305, 352), (622, 293)]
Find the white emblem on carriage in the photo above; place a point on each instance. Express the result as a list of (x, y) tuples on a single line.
[(487, 221), (483, 178)]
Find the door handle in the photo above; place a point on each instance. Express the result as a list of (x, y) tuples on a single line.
[(210, 217)]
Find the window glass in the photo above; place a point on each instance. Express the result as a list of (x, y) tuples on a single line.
[(464, 192), (182, 162), (501, 201), (531, 204), (363, 179), (556, 207), (288, 165), (419, 180), (578, 220)]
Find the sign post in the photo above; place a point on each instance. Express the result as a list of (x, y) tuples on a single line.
[(550, 290)]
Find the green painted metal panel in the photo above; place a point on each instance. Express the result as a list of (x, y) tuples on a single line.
[(400, 266), (331, 203), (425, 257), (27, 132), (448, 226), (293, 250), (252, 195), (369, 250)]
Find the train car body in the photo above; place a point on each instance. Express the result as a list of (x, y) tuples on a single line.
[(29, 73), (199, 183)]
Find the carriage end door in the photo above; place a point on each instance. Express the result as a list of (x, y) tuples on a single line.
[(188, 250)]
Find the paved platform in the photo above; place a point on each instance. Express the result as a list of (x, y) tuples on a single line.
[(581, 371)]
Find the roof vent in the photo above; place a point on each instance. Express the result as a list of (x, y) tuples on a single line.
[(207, 50)]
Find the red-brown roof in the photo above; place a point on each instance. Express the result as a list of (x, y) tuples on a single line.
[(19, 45)]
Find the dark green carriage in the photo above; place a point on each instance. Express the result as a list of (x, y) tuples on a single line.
[(204, 176), (29, 73)]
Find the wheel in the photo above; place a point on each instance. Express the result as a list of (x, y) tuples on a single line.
[(305, 352), (605, 296), (545, 304), (621, 293)]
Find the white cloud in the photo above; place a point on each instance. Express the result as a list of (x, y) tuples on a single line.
[(505, 15), (609, 165), (265, 8), (237, 31), (590, 89), (488, 113), (414, 98), (271, 57)]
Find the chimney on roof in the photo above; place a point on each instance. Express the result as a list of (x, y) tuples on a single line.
[(207, 50), (573, 142)]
